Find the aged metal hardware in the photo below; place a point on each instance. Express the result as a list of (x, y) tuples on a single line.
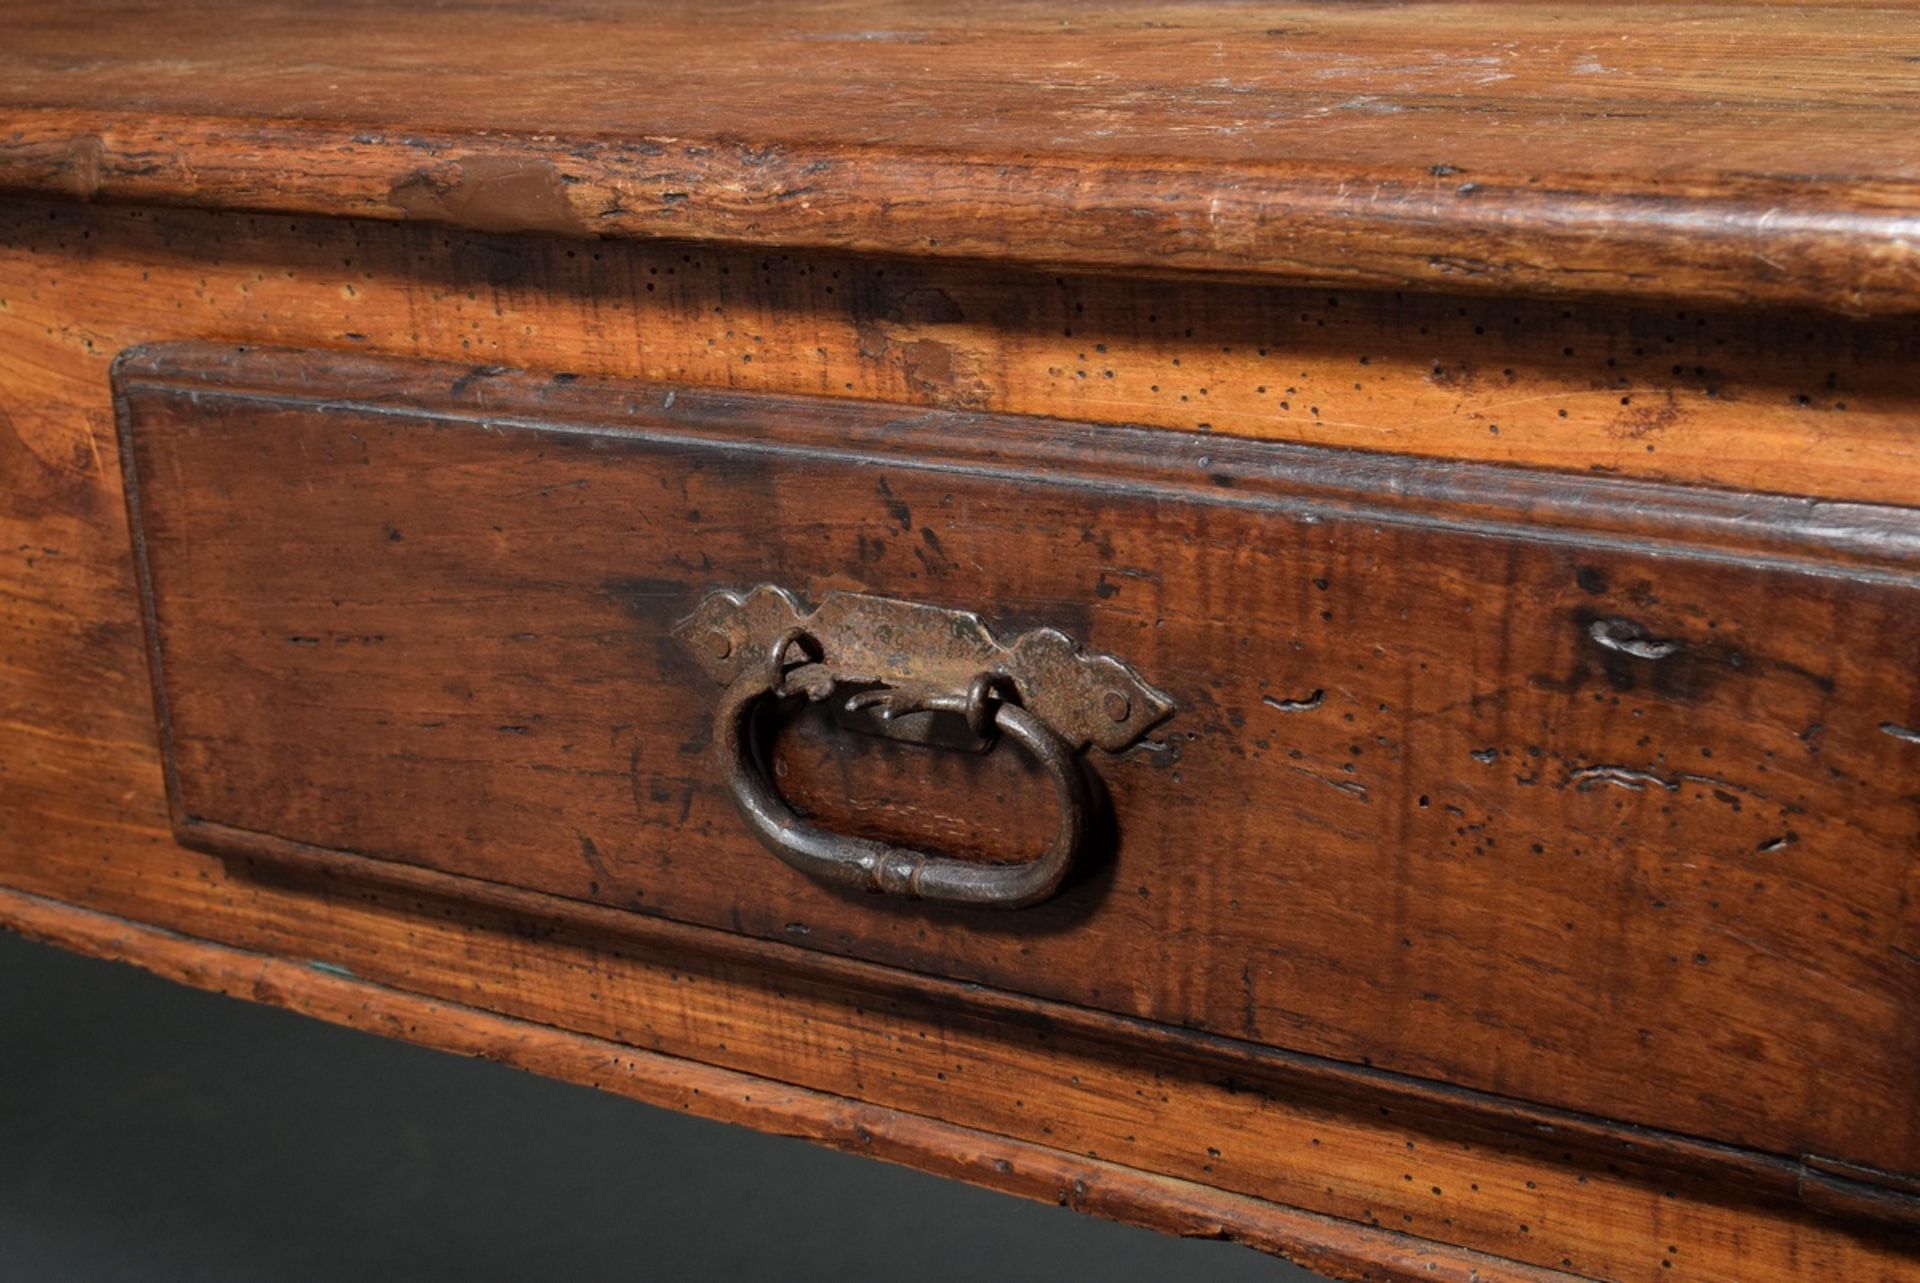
[(902, 668)]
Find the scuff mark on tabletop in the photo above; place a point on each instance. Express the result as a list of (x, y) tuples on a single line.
[(491, 194), (86, 162)]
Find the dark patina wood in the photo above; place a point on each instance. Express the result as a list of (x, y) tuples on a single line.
[(1596, 729), (1766, 401), (1361, 260)]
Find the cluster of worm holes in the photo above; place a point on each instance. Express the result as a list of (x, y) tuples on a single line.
[(1180, 354), (1641, 364)]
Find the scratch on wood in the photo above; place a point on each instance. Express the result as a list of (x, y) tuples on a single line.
[(1353, 788), (591, 854), (1588, 777), (1628, 638)]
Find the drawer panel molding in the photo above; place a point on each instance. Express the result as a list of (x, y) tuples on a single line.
[(1567, 790)]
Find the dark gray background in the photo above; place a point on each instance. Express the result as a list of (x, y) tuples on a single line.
[(152, 1132)]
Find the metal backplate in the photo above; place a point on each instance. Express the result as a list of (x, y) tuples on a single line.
[(1083, 698)]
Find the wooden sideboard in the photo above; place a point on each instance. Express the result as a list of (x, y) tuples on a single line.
[(1297, 623)]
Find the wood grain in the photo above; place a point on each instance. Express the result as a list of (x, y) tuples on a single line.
[(1608, 1217), (1762, 402), (1727, 152), (1328, 1246), (1771, 402), (1522, 783)]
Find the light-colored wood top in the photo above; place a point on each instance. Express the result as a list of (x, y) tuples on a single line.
[(1729, 152)]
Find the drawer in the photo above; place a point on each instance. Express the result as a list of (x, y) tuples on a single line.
[(1595, 794)]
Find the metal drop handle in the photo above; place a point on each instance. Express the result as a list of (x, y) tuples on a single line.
[(845, 860), (904, 669)]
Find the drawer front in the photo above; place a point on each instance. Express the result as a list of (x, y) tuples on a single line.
[(1594, 794)]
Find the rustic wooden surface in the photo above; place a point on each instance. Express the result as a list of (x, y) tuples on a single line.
[(1724, 152), (1762, 401), (1766, 402), (1551, 787), (1326, 1245)]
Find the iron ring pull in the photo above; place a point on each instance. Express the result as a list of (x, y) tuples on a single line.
[(845, 860)]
